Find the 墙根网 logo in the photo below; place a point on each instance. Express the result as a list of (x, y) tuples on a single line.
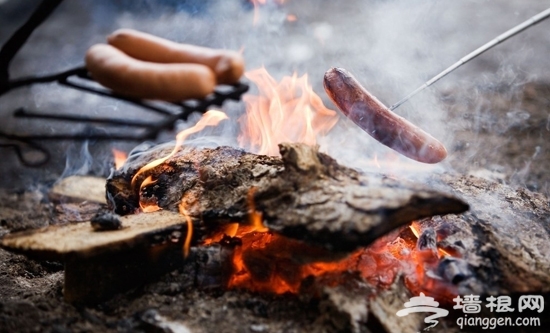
[(426, 304)]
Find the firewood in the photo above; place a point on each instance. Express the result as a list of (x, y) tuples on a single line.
[(82, 240), (304, 194), (78, 189), (99, 264), (503, 240)]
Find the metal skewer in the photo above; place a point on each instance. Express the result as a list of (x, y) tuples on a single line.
[(501, 38)]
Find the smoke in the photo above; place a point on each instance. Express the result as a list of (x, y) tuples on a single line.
[(392, 47), (79, 160)]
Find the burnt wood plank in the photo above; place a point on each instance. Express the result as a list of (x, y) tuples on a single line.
[(81, 240), (78, 189), (99, 264)]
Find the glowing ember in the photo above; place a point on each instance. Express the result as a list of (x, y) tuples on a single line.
[(285, 111), (268, 262), (119, 157)]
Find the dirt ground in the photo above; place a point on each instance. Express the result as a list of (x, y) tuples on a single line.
[(493, 116)]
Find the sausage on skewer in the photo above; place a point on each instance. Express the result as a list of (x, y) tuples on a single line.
[(378, 121)]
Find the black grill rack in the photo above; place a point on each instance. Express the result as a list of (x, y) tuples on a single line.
[(79, 79)]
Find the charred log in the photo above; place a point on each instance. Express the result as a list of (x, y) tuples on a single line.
[(305, 194), (212, 182), (502, 241)]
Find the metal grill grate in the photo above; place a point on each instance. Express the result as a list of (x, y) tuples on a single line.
[(79, 79)]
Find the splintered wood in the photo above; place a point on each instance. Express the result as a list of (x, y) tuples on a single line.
[(305, 194)]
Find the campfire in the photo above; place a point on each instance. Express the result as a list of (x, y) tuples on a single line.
[(263, 260), (270, 226)]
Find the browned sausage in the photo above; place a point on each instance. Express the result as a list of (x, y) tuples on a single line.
[(378, 121), (131, 77), (228, 65)]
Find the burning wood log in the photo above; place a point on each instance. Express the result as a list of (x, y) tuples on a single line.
[(502, 240), (304, 194)]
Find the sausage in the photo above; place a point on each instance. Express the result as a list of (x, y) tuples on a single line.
[(378, 121), (228, 65), (135, 78)]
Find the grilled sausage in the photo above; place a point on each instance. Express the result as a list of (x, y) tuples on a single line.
[(135, 78), (378, 121), (228, 65)]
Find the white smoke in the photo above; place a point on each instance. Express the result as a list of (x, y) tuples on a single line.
[(392, 47)]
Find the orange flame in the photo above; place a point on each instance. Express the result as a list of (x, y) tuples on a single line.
[(289, 111), (188, 237), (443, 253), (286, 111), (120, 157), (210, 118), (255, 217)]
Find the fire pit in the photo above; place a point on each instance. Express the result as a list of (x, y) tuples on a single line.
[(301, 228)]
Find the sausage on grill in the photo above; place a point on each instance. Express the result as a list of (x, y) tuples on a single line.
[(228, 65), (141, 79)]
